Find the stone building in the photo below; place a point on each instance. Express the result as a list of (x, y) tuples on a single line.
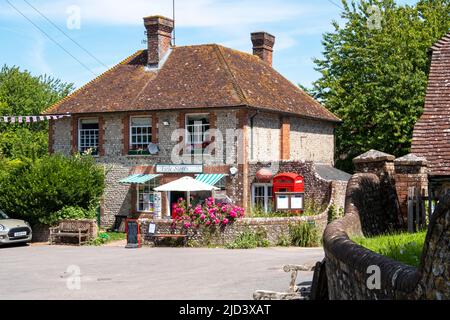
[(432, 131), (235, 112)]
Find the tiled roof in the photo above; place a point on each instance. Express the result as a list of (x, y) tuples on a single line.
[(204, 76), (431, 138)]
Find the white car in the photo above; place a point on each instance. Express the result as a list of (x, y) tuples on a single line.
[(14, 231)]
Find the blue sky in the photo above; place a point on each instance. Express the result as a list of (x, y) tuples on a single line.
[(113, 29)]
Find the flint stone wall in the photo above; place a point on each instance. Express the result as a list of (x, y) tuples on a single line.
[(274, 228), (368, 205)]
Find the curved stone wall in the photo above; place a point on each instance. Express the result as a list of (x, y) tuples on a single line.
[(348, 264)]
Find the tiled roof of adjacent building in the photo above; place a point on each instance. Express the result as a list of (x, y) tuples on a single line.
[(204, 76), (432, 132)]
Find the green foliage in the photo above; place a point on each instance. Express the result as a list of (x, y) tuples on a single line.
[(107, 237), (405, 247), (249, 240), (334, 214), (283, 241), (38, 190), (73, 213), (23, 94), (304, 234), (375, 79)]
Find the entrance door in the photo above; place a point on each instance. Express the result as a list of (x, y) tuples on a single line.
[(174, 197)]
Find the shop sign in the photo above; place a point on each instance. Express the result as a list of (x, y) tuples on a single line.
[(179, 168)]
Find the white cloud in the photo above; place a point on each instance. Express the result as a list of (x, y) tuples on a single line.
[(189, 13)]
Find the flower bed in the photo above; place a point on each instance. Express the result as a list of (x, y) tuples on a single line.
[(210, 214)]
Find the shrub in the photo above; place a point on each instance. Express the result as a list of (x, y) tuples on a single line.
[(37, 190), (249, 240), (73, 213), (334, 214), (304, 234)]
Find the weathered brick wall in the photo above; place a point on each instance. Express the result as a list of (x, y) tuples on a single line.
[(368, 205), (312, 140), (274, 228)]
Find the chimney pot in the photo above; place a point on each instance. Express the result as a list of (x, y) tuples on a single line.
[(159, 38), (263, 44)]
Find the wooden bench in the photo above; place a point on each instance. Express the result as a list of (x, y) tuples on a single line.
[(70, 229), (154, 236)]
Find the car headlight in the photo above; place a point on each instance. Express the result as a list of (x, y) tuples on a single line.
[(2, 227)]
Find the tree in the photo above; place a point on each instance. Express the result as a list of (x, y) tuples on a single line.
[(37, 190), (374, 73), (23, 94)]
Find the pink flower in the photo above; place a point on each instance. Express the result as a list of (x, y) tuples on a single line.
[(233, 214), (217, 221), (202, 217), (208, 223), (187, 225), (225, 221)]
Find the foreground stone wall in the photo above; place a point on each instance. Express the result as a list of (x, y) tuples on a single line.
[(368, 205)]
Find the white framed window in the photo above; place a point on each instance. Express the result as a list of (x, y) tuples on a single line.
[(88, 135), (262, 196), (197, 126), (140, 133), (146, 196)]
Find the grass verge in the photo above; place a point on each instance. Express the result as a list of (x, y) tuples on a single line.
[(404, 247)]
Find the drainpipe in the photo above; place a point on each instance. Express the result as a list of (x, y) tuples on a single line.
[(251, 134)]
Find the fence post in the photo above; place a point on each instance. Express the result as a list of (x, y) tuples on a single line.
[(410, 210)]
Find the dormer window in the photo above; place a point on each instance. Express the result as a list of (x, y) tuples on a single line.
[(88, 135), (140, 134)]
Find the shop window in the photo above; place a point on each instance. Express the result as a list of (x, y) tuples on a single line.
[(262, 196), (88, 135), (146, 196), (197, 126), (140, 134)]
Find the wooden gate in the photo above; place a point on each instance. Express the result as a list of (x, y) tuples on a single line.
[(420, 208)]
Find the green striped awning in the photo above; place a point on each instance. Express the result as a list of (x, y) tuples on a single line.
[(139, 178), (210, 179)]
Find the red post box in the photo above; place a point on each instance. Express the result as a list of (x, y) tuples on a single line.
[(288, 182)]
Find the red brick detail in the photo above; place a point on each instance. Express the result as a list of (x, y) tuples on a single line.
[(50, 136), (155, 128), (75, 134), (263, 44), (159, 37), (134, 199), (244, 167), (101, 136), (285, 143), (126, 134), (181, 122)]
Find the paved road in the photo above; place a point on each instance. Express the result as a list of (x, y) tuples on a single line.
[(40, 272)]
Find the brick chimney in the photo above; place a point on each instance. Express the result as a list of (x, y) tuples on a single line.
[(263, 44), (159, 38)]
